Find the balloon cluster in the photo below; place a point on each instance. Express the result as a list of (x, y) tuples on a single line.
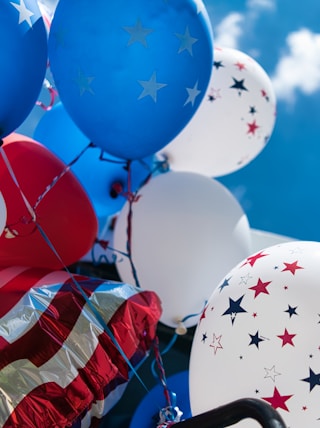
[(141, 91), (148, 115)]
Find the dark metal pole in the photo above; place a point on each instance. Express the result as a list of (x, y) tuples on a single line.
[(234, 412)]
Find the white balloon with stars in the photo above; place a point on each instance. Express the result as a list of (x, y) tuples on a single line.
[(259, 336)]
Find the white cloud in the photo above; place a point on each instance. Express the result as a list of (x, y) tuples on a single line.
[(299, 69), (261, 4), (228, 32)]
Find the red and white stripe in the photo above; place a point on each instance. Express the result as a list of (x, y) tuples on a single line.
[(57, 365)]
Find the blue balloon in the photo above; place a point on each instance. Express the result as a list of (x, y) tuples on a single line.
[(131, 73), (147, 413), (105, 181), (23, 61)]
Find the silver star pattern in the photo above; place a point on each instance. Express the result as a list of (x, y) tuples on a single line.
[(84, 83), (187, 41), (151, 87), (138, 33), (24, 13), (192, 94)]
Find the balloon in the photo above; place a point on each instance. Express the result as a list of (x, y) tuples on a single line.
[(187, 232), (131, 74), (258, 336), (147, 413), (261, 239), (233, 123), (66, 360), (64, 213), (3, 214), (23, 61), (60, 134)]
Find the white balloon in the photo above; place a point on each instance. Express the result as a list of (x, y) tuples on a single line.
[(3, 214), (234, 122), (187, 232), (259, 336), (261, 239)]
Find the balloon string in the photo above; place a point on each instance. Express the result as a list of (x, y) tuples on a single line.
[(59, 176), (158, 361), (161, 372), (93, 309), (131, 198), (80, 289), (14, 179), (53, 94)]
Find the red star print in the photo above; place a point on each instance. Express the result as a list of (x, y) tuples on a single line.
[(286, 338), (252, 127), (240, 65), (263, 93), (252, 259), (292, 267), (216, 343), (203, 315), (261, 287), (278, 401)]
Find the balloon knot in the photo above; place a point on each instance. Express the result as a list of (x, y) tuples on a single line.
[(181, 329), (169, 416)]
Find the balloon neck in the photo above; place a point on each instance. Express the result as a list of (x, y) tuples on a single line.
[(181, 329)]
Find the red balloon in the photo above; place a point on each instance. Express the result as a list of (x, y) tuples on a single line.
[(65, 225)]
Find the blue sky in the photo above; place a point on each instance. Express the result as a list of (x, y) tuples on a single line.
[(279, 189)]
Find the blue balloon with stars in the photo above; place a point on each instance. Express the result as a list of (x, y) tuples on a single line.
[(23, 61), (131, 73)]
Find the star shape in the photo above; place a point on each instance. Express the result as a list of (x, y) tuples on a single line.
[(260, 287), (187, 41), (203, 315), (286, 338), (264, 94), (313, 379), (244, 279), (204, 337), (151, 87), (24, 13), (192, 94), (138, 33), (255, 339), (214, 94), (84, 83), (200, 6), (217, 64), (216, 343), (224, 284), (292, 267), (240, 65), (239, 84), (252, 259), (291, 310), (252, 127), (278, 401), (252, 110), (234, 308), (271, 373)]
